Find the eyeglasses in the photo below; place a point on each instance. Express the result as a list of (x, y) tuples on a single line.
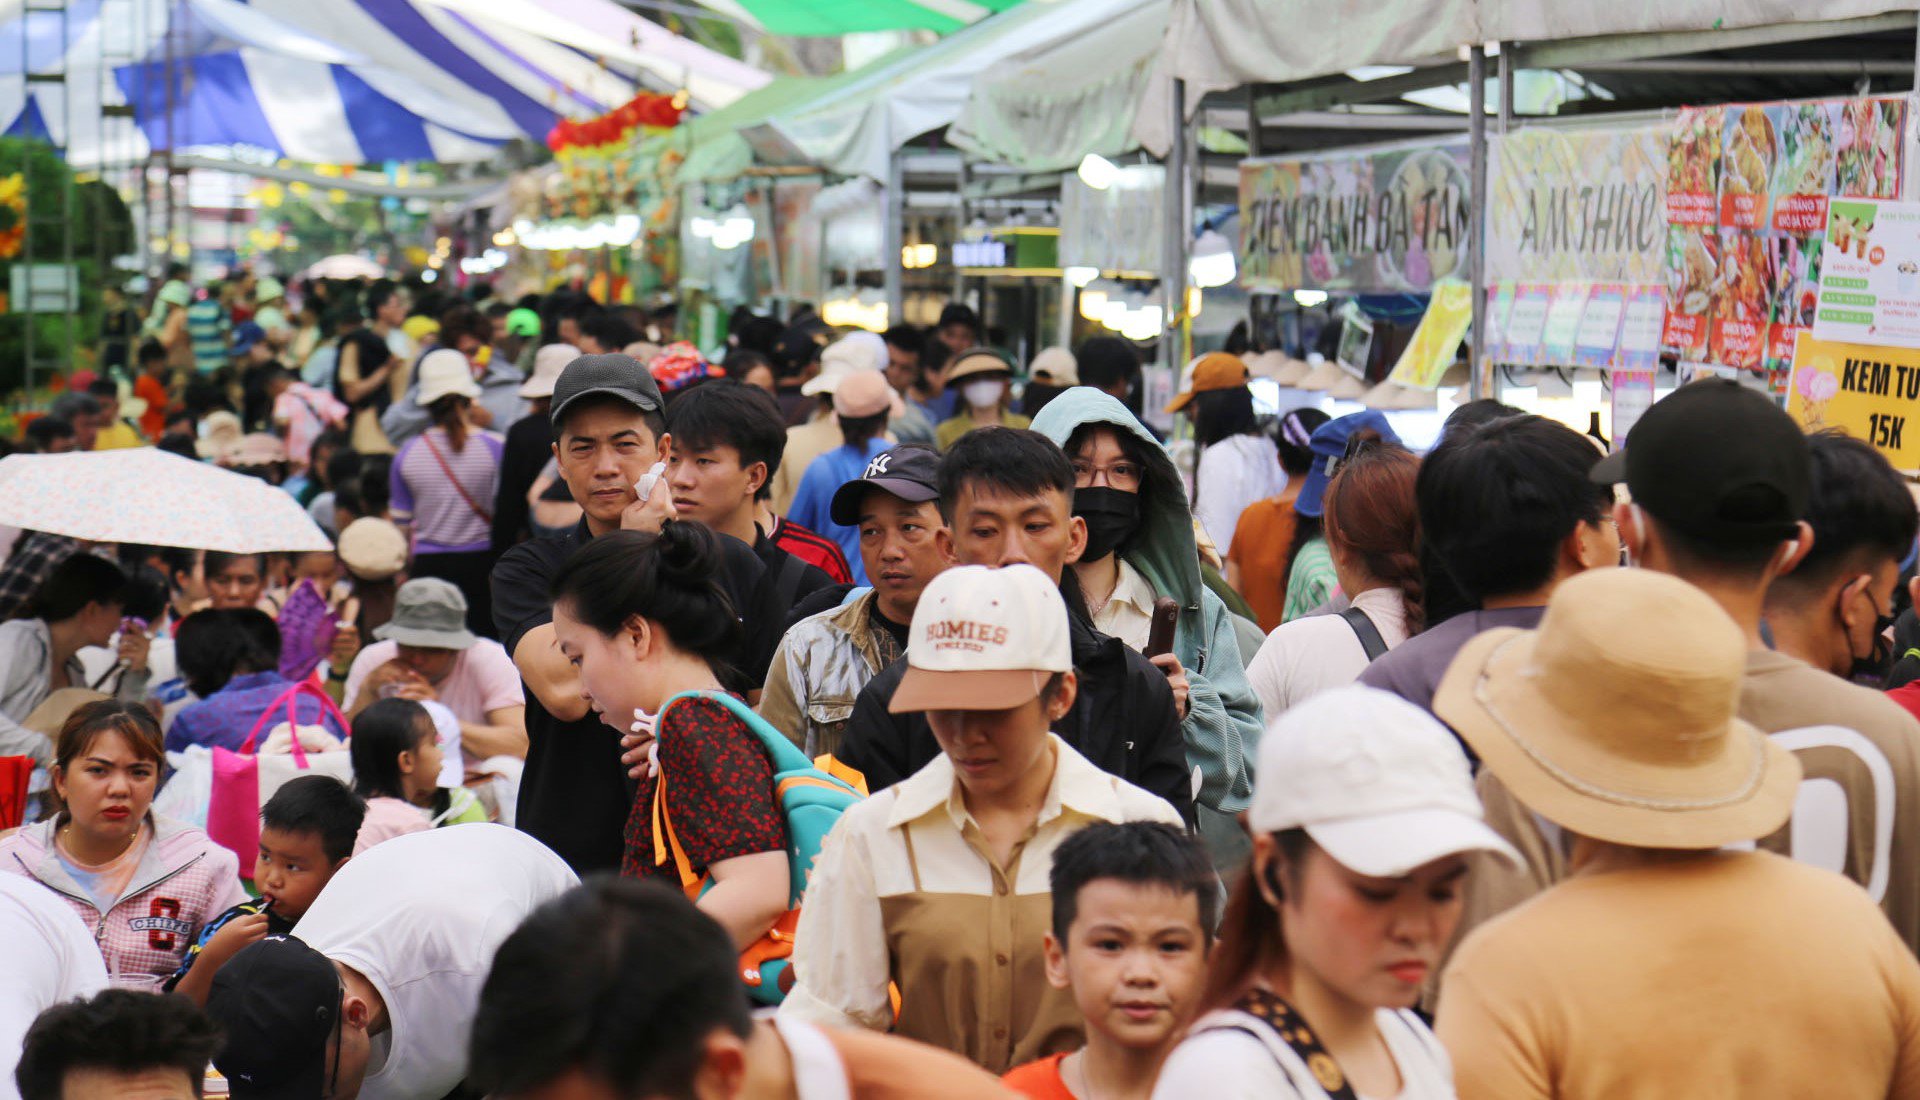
[(1124, 476)]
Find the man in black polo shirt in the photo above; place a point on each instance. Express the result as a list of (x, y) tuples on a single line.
[(608, 433)]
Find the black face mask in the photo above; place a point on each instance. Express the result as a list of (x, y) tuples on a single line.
[(1111, 517)]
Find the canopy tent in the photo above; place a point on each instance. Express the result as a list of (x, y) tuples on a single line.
[(852, 126), (836, 17), (1043, 109), (348, 81), (1215, 45)]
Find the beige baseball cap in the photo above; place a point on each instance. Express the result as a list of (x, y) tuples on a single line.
[(984, 639)]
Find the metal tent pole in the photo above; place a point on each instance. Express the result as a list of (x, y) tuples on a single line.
[(1477, 212), (895, 206), (1174, 278)]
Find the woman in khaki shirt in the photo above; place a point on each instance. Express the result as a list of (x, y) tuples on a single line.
[(939, 884)]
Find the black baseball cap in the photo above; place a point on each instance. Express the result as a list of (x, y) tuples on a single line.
[(1717, 461), (908, 472), (615, 374), (278, 1001)]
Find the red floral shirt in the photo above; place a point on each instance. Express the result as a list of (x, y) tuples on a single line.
[(719, 793)]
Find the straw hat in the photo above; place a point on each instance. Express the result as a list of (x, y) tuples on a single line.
[(1292, 371), (1348, 387), (1616, 718), (1321, 377), (220, 434), (1266, 364)]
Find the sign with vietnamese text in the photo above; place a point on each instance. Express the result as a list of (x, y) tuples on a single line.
[(1869, 392)]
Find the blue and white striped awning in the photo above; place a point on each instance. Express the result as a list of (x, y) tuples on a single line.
[(337, 81)]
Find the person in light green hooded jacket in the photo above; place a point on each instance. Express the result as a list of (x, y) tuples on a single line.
[(1140, 546)]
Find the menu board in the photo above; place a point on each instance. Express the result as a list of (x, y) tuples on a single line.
[(1869, 291), (1748, 191)]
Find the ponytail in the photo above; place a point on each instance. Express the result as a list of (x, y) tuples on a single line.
[(450, 416), (1250, 942), (1372, 516), (670, 579)]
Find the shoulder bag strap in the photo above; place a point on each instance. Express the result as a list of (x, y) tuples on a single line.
[(1370, 639), (485, 516), (1293, 1029)]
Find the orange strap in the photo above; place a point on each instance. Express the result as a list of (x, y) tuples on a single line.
[(664, 839)]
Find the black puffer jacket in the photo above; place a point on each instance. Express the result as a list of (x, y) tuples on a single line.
[(1123, 720)]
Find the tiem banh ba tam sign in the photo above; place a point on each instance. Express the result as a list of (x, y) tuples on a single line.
[(1388, 219)]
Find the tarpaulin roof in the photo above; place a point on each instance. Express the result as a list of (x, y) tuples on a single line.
[(881, 107), (340, 81), (835, 17), (1219, 44), (1044, 108)]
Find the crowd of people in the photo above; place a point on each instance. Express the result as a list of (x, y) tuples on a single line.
[(873, 715)]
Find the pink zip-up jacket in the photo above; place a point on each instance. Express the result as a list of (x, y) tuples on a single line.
[(184, 880)]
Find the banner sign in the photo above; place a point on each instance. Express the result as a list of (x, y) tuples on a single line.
[(1116, 230), (1381, 221), (1748, 190), (1436, 341), (1869, 392), (1870, 274), (1577, 206)]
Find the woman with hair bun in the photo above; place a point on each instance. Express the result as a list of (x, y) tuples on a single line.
[(643, 619), (1372, 530)]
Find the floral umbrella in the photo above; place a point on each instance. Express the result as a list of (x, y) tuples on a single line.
[(153, 498)]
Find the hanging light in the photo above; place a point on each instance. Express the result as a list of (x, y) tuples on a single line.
[(1212, 263), (1093, 304), (1307, 299), (1097, 171), (1081, 276)]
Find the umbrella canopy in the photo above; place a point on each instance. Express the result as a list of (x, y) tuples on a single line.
[(345, 266), (153, 498)]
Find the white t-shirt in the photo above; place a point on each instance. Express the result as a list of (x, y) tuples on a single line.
[(1234, 473), (48, 958), (1309, 655), (1220, 1062), (421, 917)]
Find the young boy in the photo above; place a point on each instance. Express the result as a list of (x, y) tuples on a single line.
[(307, 830), (727, 439), (1132, 905)]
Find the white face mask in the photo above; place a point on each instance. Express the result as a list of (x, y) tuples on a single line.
[(984, 393)]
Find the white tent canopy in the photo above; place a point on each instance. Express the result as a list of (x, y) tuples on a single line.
[(1043, 108), (1215, 45), (857, 130)]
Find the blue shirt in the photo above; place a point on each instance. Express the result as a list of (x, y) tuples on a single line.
[(941, 407), (226, 717), (812, 502)]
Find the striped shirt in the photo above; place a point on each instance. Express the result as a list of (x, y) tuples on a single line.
[(207, 327), (444, 520), (1311, 581), (815, 549)]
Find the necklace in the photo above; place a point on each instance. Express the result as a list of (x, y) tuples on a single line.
[(66, 831)]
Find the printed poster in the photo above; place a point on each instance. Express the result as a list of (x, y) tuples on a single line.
[(1632, 396), (1598, 337), (1643, 319), (1527, 322), (1435, 343), (1563, 324), (1869, 279), (1867, 391)]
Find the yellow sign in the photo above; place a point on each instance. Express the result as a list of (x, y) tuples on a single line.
[(1437, 341), (1869, 392)]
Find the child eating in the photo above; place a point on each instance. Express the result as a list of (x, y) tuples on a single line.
[(1132, 905), (307, 832)]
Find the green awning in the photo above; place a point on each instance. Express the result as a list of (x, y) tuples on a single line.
[(835, 17)]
